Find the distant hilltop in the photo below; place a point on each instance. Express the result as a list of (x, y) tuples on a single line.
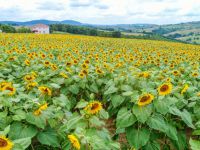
[(34, 22)]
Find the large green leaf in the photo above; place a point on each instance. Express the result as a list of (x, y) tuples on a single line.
[(157, 122), (74, 89), (111, 90), (39, 121), (117, 100), (185, 116), (137, 137), (48, 137), (18, 131), (22, 144), (142, 113), (125, 118)]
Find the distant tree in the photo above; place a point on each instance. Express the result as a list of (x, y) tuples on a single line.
[(7, 28), (23, 30), (116, 34)]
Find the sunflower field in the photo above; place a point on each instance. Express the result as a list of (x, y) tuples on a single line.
[(65, 92)]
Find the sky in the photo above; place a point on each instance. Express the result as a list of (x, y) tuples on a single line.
[(102, 11)]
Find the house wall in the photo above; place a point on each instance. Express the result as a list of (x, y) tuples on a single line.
[(42, 30)]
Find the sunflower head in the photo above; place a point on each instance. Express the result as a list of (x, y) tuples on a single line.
[(93, 107), (5, 144), (29, 78), (45, 90), (145, 99), (185, 88), (165, 89), (74, 141), (195, 74)]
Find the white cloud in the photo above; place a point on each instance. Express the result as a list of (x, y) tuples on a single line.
[(102, 11)]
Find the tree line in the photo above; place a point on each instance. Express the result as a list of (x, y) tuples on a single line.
[(11, 29), (83, 30)]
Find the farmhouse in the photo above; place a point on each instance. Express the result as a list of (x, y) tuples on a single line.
[(0, 31), (40, 29)]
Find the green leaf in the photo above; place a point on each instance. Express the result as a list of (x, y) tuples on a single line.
[(48, 137), (142, 113), (54, 85), (128, 93), (62, 101), (81, 104), (117, 100), (125, 118), (103, 114), (18, 131), (23, 143), (137, 137), (185, 116), (39, 121), (5, 131), (194, 144), (111, 90), (152, 146), (74, 89), (157, 122)]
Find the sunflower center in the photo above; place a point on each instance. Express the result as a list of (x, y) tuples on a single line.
[(164, 88), (3, 143), (9, 88), (144, 98), (94, 106)]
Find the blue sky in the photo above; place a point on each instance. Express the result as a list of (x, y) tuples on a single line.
[(102, 11)]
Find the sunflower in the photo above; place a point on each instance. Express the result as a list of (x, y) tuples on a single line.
[(176, 73), (198, 94), (165, 89), (27, 62), (31, 85), (5, 144), (44, 106), (195, 74), (93, 107), (29, 78), (98, 71), (37, 112), (145, 99), (40, 109), (64, 75), (81, 75), (10, 88), (74, 141), (45, 90), (4, 84), (184, 89)]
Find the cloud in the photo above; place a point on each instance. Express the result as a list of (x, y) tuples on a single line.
[(51, 6), (102, 11)]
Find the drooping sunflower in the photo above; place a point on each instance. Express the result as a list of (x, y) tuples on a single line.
[(40, 109), (5, 144), (145, 99), (63, 74), (45, 90), (184, 89), (165, 89), (74, 141), (93, 107)]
